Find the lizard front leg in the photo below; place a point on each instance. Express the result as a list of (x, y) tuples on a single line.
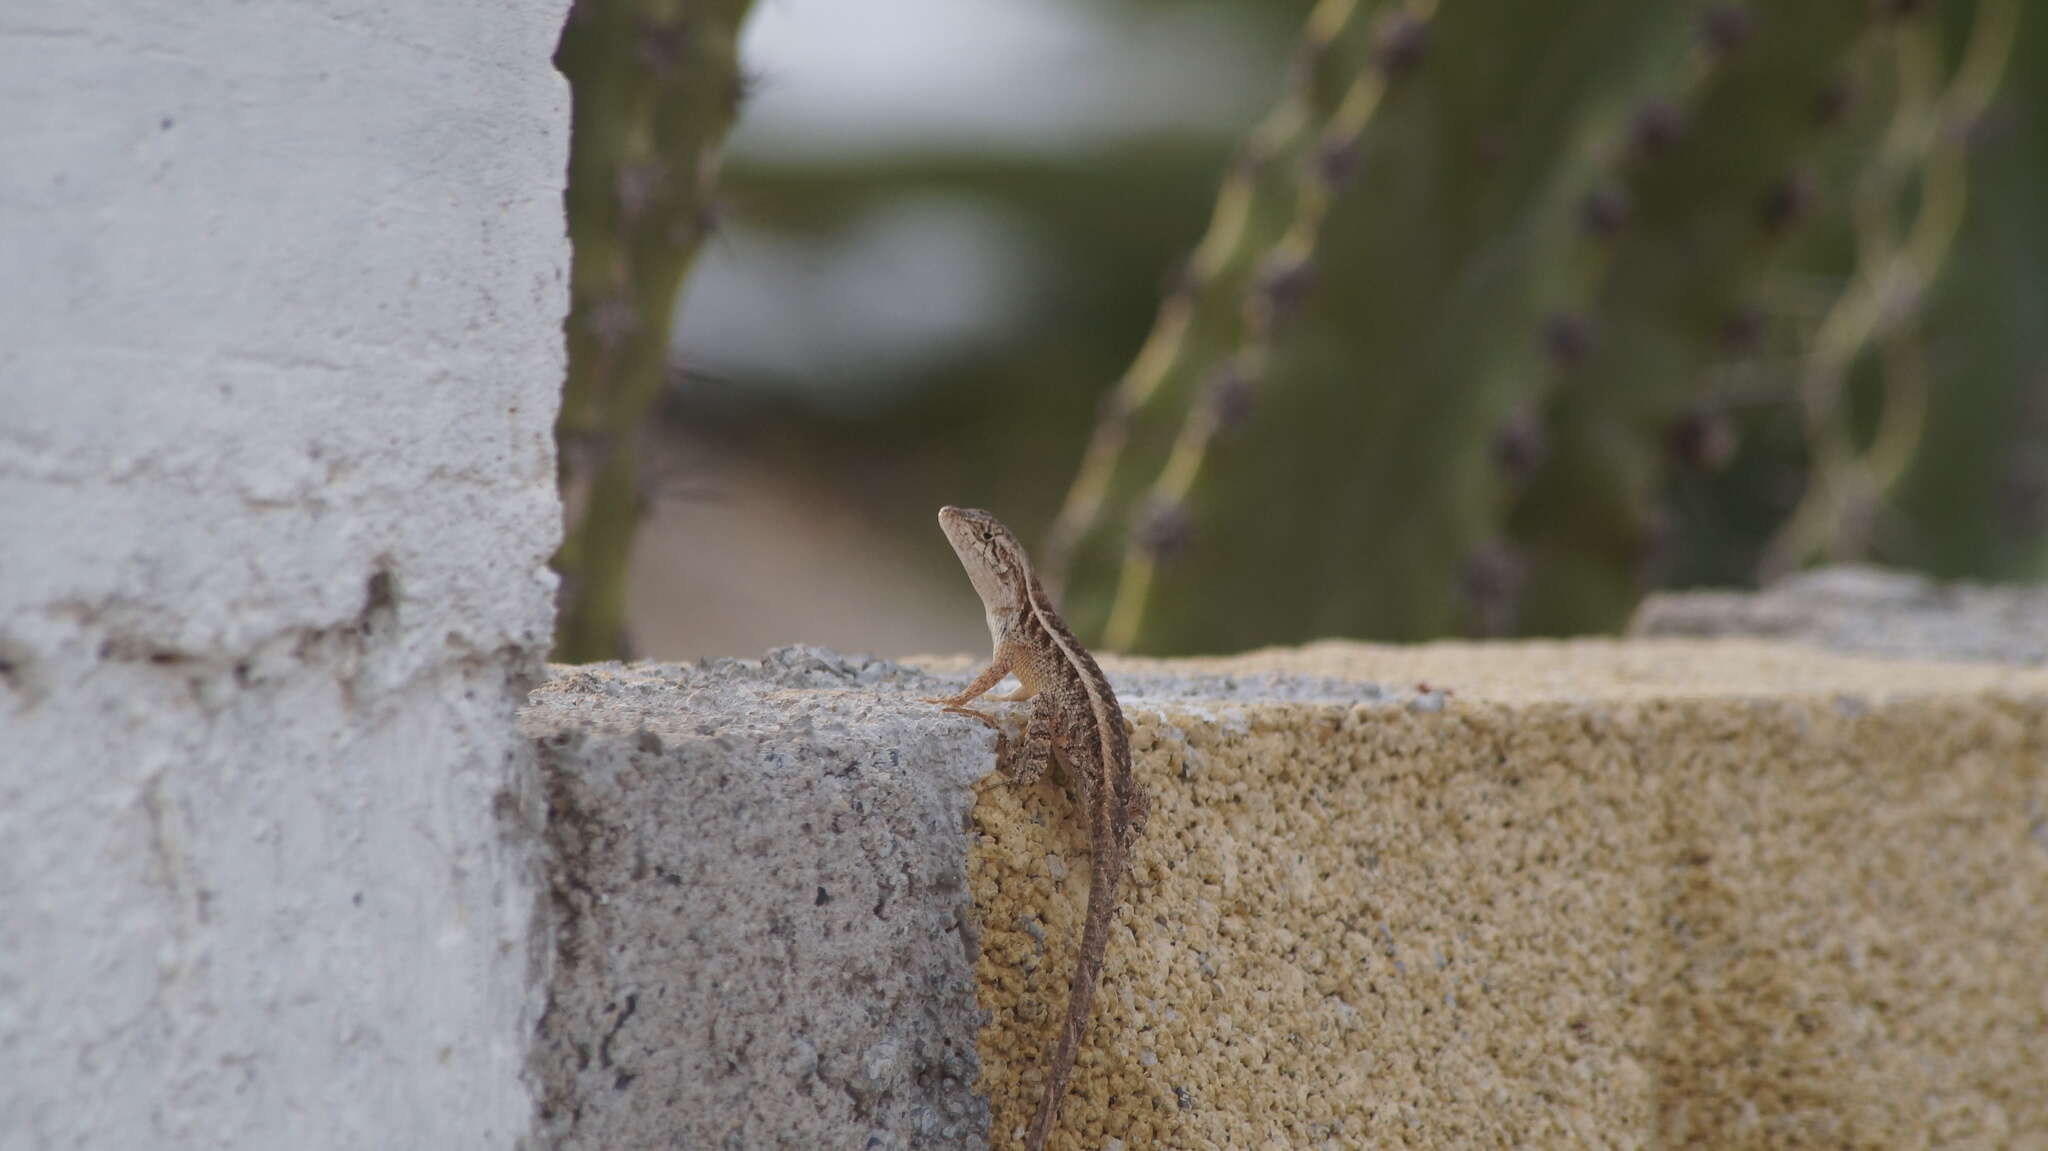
[(957, 704), (990, 676)]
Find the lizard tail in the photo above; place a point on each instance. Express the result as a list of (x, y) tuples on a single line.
[(1080, 997)]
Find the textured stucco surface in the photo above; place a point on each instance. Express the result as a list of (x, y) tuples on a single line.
[(1723, 893), (1659, 894), (280, 347)]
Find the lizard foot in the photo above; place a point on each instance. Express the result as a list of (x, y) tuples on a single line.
[(951, 708)]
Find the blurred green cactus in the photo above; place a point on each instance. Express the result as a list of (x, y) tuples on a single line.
[(1502, 315), (655, 85), (1594, 260), (1974, 502)]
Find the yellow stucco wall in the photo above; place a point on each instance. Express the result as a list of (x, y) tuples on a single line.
[(1717, 893)]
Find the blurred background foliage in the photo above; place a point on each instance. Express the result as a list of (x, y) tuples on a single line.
[(1270, 321)]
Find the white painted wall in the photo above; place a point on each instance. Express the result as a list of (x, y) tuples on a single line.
[(281, 286)]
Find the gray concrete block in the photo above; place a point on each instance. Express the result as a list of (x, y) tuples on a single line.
[(763, 934), (1868, 610)]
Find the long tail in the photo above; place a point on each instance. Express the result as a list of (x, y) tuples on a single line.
[(1081, 994)]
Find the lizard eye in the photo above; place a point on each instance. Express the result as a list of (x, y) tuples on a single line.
[(988, 536)]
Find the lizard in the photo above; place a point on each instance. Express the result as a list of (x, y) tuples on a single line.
[(1074, 717)]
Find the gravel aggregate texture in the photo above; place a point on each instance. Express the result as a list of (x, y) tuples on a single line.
[(1726, 893)]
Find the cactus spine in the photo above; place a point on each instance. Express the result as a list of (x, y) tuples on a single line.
[(1560, 282), (1273, 293), (1926, 138), (1196, 319)]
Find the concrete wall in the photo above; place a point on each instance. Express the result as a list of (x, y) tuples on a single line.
[(1597, 894), (279, 351)]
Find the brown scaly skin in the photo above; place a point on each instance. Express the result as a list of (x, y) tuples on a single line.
[(1075, 717)]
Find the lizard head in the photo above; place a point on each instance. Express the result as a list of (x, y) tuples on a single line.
[(994, 560)]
